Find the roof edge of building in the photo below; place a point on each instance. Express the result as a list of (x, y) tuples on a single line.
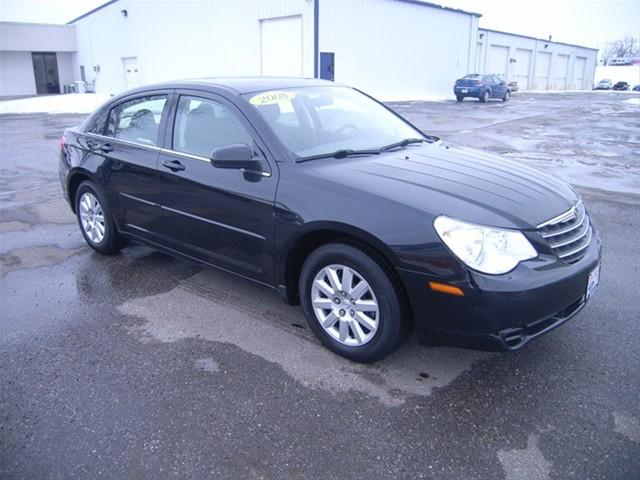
[(99, 7), (536, 38), (442, 7), (37, 24)]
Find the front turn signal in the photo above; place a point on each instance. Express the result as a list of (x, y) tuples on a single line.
[(444, 288)]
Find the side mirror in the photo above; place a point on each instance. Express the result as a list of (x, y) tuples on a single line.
[(237, 155)]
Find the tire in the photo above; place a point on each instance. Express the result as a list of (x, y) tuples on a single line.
[(95, 220), (485, 97), (373, 324), (507, 96), (459, 98)]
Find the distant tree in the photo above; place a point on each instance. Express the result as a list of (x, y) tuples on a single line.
[(626, 47)]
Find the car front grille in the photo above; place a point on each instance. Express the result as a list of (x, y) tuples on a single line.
[(568, 234)]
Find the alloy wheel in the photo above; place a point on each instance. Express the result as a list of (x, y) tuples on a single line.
[(92, 217), (345, 305)]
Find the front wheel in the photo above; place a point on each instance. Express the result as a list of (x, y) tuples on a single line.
[(94, 218), (351, 303), (507, 96)]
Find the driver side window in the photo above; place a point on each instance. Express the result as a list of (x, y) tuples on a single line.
[(203, 125)]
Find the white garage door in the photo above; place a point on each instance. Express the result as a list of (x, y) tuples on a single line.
[(281, 45), (498, 58), (543, 62), (523, 63), (562, 68), (578, 72)]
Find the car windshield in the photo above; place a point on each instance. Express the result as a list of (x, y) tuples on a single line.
[(318, 121)]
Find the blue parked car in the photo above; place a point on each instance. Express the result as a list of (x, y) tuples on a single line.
[(482, 87)]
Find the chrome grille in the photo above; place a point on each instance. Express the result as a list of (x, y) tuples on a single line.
[(568, 234)]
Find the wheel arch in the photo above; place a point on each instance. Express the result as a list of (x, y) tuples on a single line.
[(75, 178), (322, 233)]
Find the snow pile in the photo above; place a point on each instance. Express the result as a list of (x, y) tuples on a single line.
[(633, 101), (70, 103)]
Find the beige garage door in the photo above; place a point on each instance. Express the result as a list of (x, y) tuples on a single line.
[(543, 63), (523, 64), (498, 60), (281, 46), (562, 69), (578, 72)]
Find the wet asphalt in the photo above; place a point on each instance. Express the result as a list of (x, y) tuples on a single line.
[(141, 366)]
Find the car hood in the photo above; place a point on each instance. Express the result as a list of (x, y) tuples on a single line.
[(459, 182)]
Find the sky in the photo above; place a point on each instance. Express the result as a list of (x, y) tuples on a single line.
[(591, 23)]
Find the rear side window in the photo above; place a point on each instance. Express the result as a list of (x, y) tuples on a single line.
[(137, 120), (203, 125), (96, 123)]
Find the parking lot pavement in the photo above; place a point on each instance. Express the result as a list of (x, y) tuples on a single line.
[(591, 139), (143, 366)]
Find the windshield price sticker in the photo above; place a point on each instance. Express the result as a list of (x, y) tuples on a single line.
[(272, 98)]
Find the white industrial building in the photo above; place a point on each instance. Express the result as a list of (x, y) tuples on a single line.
[(392, 49), (36, 58), (534, 63)]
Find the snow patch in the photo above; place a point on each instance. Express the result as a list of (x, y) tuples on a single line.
[(633, 101), (527, 463), (70, 103)]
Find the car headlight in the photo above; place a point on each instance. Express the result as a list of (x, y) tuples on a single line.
[(486, 249)]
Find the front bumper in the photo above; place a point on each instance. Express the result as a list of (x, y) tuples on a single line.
[(502, 312)]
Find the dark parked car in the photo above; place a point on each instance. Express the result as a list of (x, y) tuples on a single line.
[(621, 86), (636, 88), (482, 87), (338, 203)]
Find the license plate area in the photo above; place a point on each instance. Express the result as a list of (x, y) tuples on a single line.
[(464, 90), (592, 281)]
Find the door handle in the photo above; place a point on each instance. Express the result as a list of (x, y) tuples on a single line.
[(105, 147), (173, 165)]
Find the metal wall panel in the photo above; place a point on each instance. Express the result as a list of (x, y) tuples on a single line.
[(538, 64), (398, 50), (175, 39), (281, 46)]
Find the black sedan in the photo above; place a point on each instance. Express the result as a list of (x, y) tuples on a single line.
[(338, 203), (621, 86)]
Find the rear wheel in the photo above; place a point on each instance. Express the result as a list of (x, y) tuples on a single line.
[(484, 98), (94, 218), (351, 303), (459, 98)]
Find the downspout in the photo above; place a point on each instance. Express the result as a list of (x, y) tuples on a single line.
[(316, 46)]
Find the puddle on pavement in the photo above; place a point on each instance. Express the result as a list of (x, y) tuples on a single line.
[(215, 306)]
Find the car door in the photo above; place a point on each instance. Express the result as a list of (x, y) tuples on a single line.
[(221, 216), (130, 146), (499, 87)]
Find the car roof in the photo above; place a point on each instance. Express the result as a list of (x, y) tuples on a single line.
[(242, 85)]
